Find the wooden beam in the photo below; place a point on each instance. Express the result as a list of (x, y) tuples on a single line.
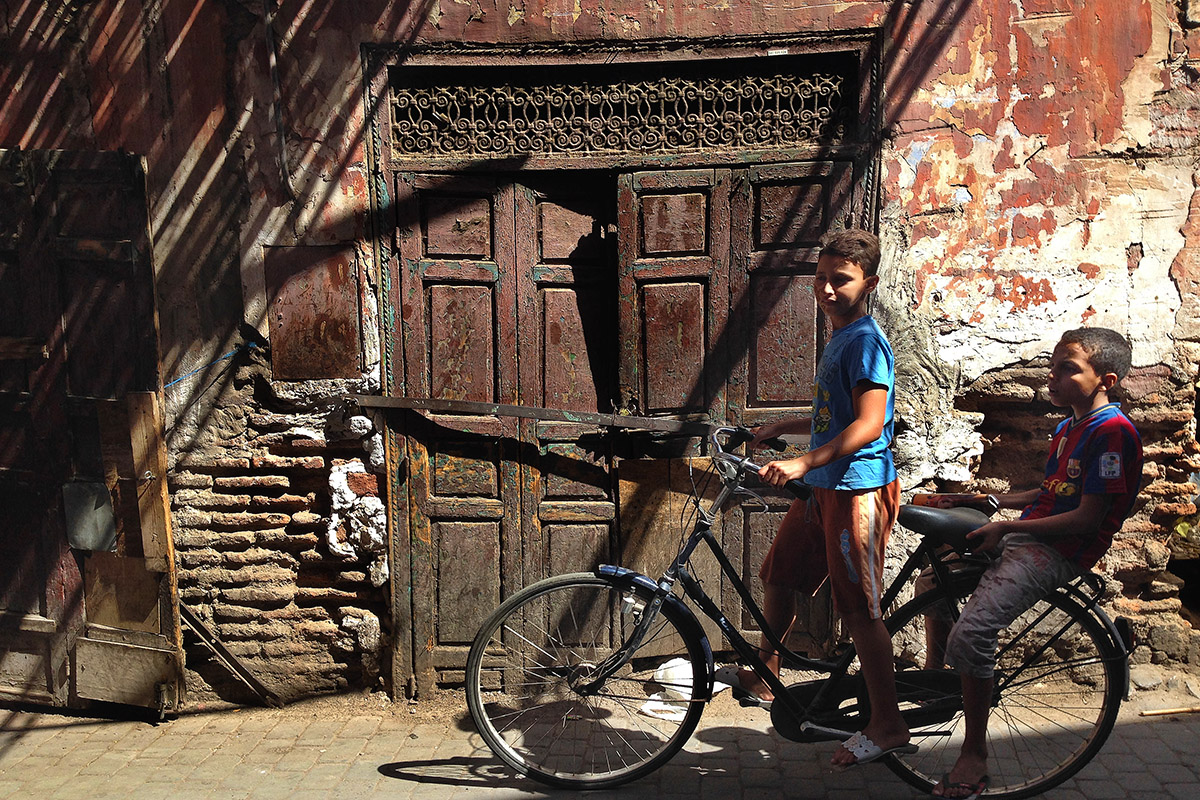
[(15, 348)]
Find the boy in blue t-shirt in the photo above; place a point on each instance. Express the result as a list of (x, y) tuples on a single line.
[(1091, 481), (841, 532)]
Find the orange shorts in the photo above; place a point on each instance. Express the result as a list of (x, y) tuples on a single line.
[(840, 535)]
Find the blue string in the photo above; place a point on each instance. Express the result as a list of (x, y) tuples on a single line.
[(230, 354)]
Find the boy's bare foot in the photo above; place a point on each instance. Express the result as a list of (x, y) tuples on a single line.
[(754, 685)]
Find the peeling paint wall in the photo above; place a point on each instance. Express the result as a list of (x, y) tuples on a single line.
[(1038, 167)]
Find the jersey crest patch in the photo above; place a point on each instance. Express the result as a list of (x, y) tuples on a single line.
[(1110, 465), (1074, 470)]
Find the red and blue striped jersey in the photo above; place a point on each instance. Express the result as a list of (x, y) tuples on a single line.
[(1098, 454)]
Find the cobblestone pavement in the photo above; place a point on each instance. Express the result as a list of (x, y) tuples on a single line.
[(366, 747)]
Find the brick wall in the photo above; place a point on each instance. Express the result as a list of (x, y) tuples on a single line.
[(282, 567), (1017, 423)]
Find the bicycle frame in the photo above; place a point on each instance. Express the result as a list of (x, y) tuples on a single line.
[(835, 670)]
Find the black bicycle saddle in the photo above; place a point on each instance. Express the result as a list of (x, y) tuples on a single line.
[(943, 525)]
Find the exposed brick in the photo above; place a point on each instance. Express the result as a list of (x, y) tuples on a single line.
[(291, 648), (304, 519), (363, 484), (259, 595), (197, 463), (284, 501), (288, 613), (199, 558), (189, 518), (287, 541), (191, 498), (258, 482), (327, 631), (190, 480), (288, 462), (1166, 489), (263, 631), (218, 540), (259, 555), (249, 521), (319, 595)]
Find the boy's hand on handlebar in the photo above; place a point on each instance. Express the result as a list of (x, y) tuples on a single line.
[(778, 473)]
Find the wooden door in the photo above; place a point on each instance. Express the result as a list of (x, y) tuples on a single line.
[(585, 291), (41, 598), (456, 290), (779, 214), (567, 305), (90, 612)]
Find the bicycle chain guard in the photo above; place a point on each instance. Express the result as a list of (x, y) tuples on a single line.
[(789, 726)]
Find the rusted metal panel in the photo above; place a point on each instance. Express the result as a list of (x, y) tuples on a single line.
[(313, 312), (124, 673)]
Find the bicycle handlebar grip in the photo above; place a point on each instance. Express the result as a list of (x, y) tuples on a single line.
[(776, 444), (743, 434), (799, 488)]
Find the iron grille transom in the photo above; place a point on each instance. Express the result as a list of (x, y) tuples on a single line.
[(759, 104)]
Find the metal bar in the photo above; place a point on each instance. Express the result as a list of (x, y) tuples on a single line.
[(532, 412), (209, 640)]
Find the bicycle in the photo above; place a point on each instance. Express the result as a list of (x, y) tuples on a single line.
[(589, 680)]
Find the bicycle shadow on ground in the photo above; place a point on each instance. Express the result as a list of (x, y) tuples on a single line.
[(1144, 757)]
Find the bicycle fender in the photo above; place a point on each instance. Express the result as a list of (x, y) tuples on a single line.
[(687, 616), (1096, 610)]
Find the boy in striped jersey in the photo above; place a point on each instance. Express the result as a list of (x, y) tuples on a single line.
[(1091, 481)]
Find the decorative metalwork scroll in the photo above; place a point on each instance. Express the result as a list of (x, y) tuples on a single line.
[(657, 115)]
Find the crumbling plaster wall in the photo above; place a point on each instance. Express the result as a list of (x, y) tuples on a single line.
[(1041, 178)]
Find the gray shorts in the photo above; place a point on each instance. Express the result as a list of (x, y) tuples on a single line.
[(1026, 571)]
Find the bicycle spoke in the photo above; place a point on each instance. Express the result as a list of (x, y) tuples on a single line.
[(546, 643)]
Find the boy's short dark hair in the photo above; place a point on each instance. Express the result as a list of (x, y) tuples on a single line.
[(854, 245), (1107, 350)]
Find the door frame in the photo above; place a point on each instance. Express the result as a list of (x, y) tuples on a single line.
[(427, 65)]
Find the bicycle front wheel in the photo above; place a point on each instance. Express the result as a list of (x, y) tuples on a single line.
[(1058, 689), (531, 688)]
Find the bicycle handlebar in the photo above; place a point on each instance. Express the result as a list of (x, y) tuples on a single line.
[(739, 436)]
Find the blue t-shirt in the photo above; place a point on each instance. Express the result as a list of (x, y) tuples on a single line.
[(857, 353), (1098, 454)]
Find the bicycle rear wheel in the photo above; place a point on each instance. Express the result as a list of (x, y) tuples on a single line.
[(1059, 687), (528, 674)]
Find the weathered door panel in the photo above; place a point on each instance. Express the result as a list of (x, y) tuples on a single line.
[(81, 406), (673, 229), (459, 325), (779, 214), (568, 310), (674, 291)]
